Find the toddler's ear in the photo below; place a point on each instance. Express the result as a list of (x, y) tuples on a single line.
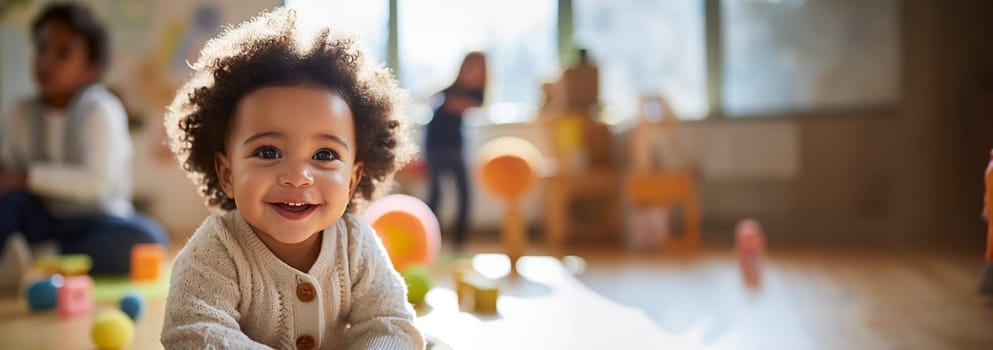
[(356, 178), (222, 166)]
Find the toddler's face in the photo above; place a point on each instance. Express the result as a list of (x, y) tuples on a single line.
[(60, 63), (290, 161)]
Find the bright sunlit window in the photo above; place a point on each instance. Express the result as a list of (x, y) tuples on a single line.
[(645, 47), (788, 55), (368, 19), (518, 37)]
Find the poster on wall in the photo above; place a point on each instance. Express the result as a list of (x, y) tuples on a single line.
[(153, 44), (156, 43)]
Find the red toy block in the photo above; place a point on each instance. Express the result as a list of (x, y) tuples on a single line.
[(146, 261), (75, 296)]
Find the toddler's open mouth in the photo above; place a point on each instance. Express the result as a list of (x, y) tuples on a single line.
[(292, 210)]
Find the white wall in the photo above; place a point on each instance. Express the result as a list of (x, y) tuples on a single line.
[(15, 77)]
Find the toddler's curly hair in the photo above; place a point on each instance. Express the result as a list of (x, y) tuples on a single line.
[(274, 49)]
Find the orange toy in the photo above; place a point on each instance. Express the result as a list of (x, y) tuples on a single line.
[(508, 168), (146, 261), (408, 228), (749, 246)]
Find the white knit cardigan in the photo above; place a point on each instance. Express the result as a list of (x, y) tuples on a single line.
[(229, 291)]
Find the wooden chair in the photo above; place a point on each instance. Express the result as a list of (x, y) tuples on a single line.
[(666, 189), (653, 182), (583, 203)]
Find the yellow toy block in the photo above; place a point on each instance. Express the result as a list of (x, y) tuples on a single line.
[(460, 269), (66, 265), (478, 294), (486, 300)]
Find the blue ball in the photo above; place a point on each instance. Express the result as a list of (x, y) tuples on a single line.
[(42, 294), (132, 304)]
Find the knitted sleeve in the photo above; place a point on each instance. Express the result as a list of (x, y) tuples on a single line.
[(202, 307), (380, 316)]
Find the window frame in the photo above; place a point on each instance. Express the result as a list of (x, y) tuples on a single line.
[(714, 55)]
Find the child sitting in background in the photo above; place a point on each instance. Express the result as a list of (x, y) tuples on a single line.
[(65, 160), (286, 133)]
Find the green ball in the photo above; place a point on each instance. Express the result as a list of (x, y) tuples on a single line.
[(112, 329), (418, 279)]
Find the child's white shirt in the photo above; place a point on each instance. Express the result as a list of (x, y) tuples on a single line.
[(100, 183), (55, 127)]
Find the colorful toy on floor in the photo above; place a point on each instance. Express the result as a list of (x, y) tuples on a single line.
[(146, 261), (132, 304), (75, 296), (460, 268), (418, 279), (749, 246), (42, 294), (66, 265), (112, 329), (508, 168), (477, 293), (408, 228), (110, 289)]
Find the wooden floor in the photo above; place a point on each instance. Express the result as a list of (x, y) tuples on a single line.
[(830, 298), (809, 299)]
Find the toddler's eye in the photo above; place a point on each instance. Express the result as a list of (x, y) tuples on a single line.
[(325, 155), (267, 153)]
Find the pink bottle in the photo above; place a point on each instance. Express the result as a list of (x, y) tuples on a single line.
[(749, 246), (988, 200)]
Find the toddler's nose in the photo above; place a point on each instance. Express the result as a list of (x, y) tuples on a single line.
[(298, 175)]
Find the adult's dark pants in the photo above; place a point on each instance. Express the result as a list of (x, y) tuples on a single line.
[(106, 239), (449, 162)]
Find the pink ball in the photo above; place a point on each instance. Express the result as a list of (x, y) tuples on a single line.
[(408, 228)]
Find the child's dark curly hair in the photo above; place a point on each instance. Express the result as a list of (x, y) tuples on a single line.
[(83, 23), (273, 50)]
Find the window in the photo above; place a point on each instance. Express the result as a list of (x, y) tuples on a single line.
[(775, 57), (518, 37), (645, 47), (368, 19), (788, 55)]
